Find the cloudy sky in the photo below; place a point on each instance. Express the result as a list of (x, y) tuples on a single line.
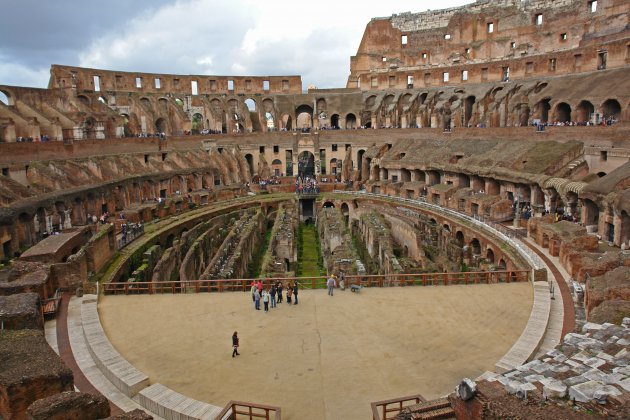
[(214, 37)]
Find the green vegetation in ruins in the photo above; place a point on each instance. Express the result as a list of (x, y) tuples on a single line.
[(309, 253), (371, 266), (255, 267)]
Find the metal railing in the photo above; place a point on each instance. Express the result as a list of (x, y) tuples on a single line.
[(234, 410), (319, 282), (134, 231), (509, 236)]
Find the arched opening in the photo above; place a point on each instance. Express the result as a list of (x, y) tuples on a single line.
[(563, 112), (304, 117), (5, 98), (459, 238), (584, 112), (251, 104), (250, 163), (345, 210), (351, 122), (468, 109), (84, 100), (179, 102), (197, 123), (328, 205), (601, 174), (591, 212), (306, 164), (611, 109), (502, 265), (276, 167), (169, 241), (269, 121), (126, 129), (160, 125), (360, 164), (102, 100), (334, 121), (490, 256), (405, 175), (287, 123), (333, 166), (475, 246), (147, 103), (542, 110), (369, 102)]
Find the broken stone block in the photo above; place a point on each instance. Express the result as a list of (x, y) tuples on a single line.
[(575, 380), (534, 378), (590, 326), (513, 386), (21, 311), (136, 414), (594, 375), (70, 405), (584, 392), (625, 384), (553, 388)]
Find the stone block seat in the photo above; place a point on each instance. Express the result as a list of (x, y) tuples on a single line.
[(117, 369), (169, 404)]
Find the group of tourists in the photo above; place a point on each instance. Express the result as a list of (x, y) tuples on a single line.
[(306, 185), (273, 295)]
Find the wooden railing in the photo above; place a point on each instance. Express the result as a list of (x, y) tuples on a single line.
[(319, 282), (250, 411), (389, 409)]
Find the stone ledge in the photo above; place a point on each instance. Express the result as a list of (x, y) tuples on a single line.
[(169, 404), (117, 369), (531, 338)]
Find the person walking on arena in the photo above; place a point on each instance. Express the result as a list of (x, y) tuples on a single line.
[(289, 293), (272, 294), (266, 300), (257, 300), (280, 287), (330, 283), (235, 342), (295, 292)]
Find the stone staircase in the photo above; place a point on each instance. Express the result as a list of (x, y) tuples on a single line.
[(430, 410)]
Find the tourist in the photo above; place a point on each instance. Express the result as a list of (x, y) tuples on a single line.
[(280, 286), (253, 290), (295, 292), (260, 287), (265, 298), (289, 293), (331, 284), (235, 344), (257, 300), (342, 280), (272, 294)]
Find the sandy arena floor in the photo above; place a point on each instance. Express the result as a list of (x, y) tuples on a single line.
[(326, 358)]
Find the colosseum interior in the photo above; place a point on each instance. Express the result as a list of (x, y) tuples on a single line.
[(469, 189)]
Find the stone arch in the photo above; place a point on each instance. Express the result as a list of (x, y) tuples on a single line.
[(304, 116), (422, 98), (251, 104), (584, 112), (6, 98), (351, 121), (345, 211), (490, 255), (611, 109), (405, 175), (590, 212), (160, 125), (360, 154), (370, 101), (197, 123), (562, 112), (469, 102), (328, 205), (502, 265), (446, 227), (542, 108), (460, 239), (287, 122), (321, 105), (475, 246), (84, 100), (388, 99), (250, 163), (419, 175), (334, 121)]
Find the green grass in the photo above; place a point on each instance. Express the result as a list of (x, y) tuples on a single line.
[(255, 266), (309, 256)]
